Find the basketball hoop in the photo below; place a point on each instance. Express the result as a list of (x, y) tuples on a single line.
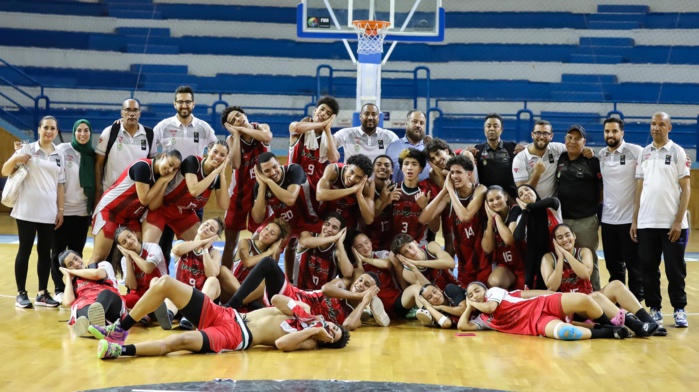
[(370, 34)]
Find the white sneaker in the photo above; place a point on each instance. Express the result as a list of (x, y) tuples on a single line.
[(425, 318), (379, 313), (58, 297)]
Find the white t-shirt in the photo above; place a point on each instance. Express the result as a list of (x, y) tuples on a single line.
[(661, 169), (125, 150), (355, 141), (523, 167), (190, 139), (39, 191), (75, 202), (619, 178)]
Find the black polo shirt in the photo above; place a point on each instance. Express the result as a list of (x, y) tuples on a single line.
[(495, 165), (579, 186)]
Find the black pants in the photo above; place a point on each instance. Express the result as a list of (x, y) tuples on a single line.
[(266, 270), (621, 254), (166, 244), (111, 302), (27, 232), (71, 235), (652, 244)]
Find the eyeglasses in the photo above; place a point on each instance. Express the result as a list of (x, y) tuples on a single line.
[(131, 111), (184, 103), (540, 134)]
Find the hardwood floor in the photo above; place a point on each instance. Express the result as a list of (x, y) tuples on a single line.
[(39, 353)]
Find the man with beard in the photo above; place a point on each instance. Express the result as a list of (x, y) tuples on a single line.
[(414, 138), (190, 136), (536, 164), (184, 132), (618, 163), (367, 139)]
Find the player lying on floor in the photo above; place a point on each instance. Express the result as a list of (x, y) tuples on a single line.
[(518, 313), (219, 328)]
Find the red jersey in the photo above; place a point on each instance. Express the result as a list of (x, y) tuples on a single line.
[(473, 265), (316, 267), (86, 290), (309, 160), (439, 277), (243, 178), (570, 282), (303, 211), (379, 231), (334, 310), (406, 211), (389, 290), (189, 269), (177, 193), (121, 201), (347, 206), (519, 316), (239, 270)]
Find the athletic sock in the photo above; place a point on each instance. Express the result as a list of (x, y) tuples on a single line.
[(604, 320), (602, 333), (127, 322), (643, 315), (129, 350)]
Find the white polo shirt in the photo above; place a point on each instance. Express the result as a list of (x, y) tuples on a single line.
[(125, 150), (38, 192), (190, 139), (355, 141), (661, 169), (523, 167), (75, 202), (619, 178)]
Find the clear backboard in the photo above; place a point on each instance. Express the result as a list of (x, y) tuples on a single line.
[(411, 20)]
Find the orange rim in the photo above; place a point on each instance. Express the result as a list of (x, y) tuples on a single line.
[(371, 27)]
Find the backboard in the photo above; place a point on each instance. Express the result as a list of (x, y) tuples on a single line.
[(411, 20)]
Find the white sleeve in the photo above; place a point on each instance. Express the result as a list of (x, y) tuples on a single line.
[(639, 166), (107, 266), (155, 256), (519, 167), (682, 164), (341, 137), (101, 148), (495, 294), (157, 136), (62, 170)]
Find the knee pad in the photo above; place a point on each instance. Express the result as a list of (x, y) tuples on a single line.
[(567, 332)]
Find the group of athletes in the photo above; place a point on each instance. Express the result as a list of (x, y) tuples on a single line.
[(358, 240)]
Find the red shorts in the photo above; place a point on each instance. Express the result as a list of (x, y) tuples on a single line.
[(552, 309), (519, 277), (238, 216), (101, 222), (224, 327), (132, 297), (178, 221)]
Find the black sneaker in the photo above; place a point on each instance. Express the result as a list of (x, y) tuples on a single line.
[(186, 324), (164, 317), (46, 300), (661, 331), (23, 301), (619, 332)]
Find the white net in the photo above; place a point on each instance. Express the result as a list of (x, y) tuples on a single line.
[(370, 35)]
